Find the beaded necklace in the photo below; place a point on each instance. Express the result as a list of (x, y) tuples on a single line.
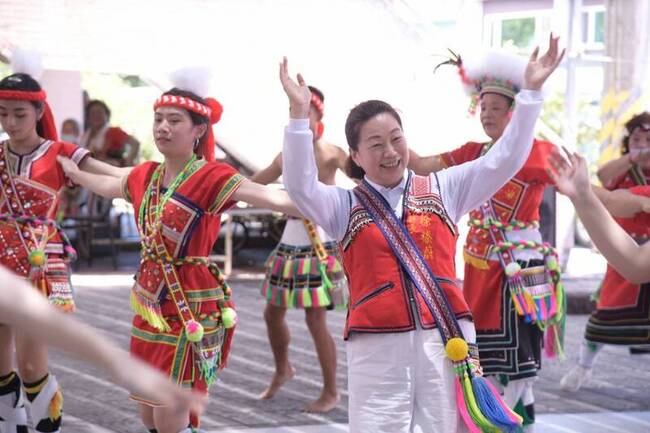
[(150, 223)]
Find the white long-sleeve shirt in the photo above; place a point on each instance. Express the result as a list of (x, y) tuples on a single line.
[(461, 188)]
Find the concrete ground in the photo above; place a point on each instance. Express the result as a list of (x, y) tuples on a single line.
[(616, 400)]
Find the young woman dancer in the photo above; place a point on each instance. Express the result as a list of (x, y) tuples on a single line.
[(33, 245), (184, 317)]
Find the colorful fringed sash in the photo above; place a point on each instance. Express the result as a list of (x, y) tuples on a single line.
[(537, 293), (336, 292), (478, 402)]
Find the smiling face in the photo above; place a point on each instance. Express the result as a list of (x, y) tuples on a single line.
[(19, 118), (382, 151), (174, 132), (495, 114)]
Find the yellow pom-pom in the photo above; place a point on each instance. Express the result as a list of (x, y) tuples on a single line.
[(36, 258), (456, 349)]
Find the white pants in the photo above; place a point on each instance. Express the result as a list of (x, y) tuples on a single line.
[(402, 382)]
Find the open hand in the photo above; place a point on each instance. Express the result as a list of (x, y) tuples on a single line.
[(570, 174), (539, 69), (298, 93)]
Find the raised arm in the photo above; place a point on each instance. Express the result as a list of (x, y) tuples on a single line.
[(326, 205), (621, 251), (25, 309), (270, 173), (466, 186), (105, 185), (425, 165), (622, 203), (266, 197), (96, 166)]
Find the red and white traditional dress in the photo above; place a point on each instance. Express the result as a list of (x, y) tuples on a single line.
[(622, 313), (190, 222), (506, 344), (30, 189)]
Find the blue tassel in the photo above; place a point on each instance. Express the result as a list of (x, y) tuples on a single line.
[(491, 408)]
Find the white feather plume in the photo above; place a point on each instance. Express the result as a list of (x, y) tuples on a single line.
[(26, 62), (496, 64), (194, 79)]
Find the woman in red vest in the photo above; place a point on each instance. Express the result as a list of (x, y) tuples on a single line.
[(622, 313), (184, 318), (398, 235)]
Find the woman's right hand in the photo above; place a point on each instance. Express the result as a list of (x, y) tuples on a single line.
[(298, 93), (570, 174)]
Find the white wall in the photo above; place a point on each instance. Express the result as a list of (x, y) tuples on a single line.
[(64, 95)]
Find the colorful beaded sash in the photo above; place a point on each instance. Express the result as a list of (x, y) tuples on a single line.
[(539, 299), (325, 266), (479, 403), (210, 355)]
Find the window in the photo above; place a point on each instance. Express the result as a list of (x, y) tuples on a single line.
[(593, 27), (518, 32)]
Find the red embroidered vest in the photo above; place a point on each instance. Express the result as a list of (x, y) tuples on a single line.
[(381, 299)]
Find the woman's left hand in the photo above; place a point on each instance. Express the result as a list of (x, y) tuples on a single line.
[(539, 69)]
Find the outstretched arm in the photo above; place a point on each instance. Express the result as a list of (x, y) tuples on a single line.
[(96, 166), (616, 168), (622, 203), (270, 173), (265, 197), (621, 251), (425, 165), (105, 185), (23, 308)]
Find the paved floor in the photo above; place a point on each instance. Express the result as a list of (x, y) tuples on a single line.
[(617, 400)]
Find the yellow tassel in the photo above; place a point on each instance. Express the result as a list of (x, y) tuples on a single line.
[(56, 406), (151, 316), (475, 261)]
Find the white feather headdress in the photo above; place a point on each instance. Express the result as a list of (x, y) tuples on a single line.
[(27, 62), (195, 79)]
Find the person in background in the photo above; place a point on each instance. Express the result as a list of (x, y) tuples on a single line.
[(108, 143), (508, 332), (294, 273), (623, 307)]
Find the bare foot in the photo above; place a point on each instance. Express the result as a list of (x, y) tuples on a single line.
[(325, 403), (279, 379)]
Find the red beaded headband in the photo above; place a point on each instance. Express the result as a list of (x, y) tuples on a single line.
[(183, 102)]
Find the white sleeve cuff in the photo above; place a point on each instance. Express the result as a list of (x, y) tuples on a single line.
[(528, 95), (296, 125)]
